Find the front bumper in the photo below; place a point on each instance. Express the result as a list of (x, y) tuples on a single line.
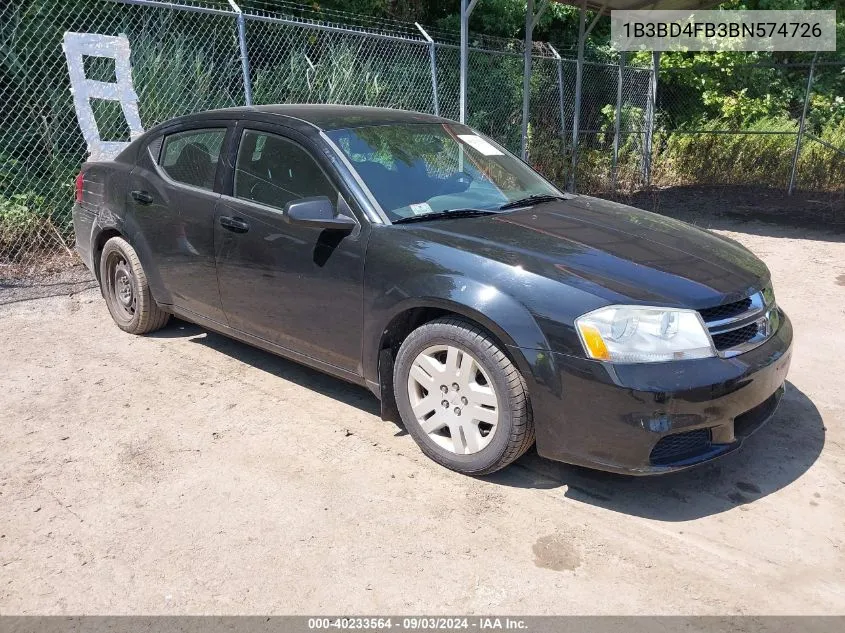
[(655, 418)]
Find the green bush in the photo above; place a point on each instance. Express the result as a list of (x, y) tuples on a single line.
[(761, 154), (24, 223), (820, 167)]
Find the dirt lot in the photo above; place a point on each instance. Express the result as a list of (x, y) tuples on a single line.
[(186, 473)]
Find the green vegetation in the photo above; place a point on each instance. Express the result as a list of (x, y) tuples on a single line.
[(722, 92), (184, 62), (41, 146)]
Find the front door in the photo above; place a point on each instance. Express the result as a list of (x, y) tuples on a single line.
[(173, 199), (298, 287)]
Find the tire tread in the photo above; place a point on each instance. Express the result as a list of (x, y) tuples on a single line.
[(151, 317)]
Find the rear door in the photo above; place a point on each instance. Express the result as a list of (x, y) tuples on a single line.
[(298, 287), (173, 191)]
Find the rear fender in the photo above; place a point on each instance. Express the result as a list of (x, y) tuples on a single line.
[(107, 223)]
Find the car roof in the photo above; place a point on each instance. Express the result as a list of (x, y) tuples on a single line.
[(305, 118), (320, 116)]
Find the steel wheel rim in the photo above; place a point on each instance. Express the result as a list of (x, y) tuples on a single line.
[(453, 399), (122, 285)]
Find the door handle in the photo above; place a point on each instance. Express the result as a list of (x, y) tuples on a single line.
[(236, 225), (142, 196)]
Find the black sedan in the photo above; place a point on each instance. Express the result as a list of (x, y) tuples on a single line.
[(410, 254)]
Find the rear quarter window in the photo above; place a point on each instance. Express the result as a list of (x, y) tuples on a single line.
[(192, 157)]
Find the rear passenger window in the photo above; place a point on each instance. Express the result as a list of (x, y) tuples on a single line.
[(191, 157), (274, 171)]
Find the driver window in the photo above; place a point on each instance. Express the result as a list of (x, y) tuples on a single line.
[(274, 171)]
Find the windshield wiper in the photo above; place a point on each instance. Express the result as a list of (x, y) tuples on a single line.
[(528, 200), (448, 213)]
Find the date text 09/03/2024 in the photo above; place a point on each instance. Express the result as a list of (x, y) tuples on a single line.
[(418, 623)]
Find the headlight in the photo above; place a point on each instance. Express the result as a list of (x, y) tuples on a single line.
[(641, 334)]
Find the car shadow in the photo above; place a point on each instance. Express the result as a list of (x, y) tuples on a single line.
[(771, 459), (345, 392), (68, 282)]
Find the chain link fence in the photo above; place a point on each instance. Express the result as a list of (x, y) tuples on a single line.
[(182, 61), (194, 56), (796, 139)]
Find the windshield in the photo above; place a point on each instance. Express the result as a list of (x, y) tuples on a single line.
[(413, 169)]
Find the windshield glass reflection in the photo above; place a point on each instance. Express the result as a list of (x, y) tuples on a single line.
[(416, 169)]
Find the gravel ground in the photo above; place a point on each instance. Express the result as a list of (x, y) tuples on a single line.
[(187, 473)]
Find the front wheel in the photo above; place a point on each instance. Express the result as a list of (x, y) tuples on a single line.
[(461, 398), (126, 291)]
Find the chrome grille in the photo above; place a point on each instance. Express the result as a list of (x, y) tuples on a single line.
[(725, 311), (742, 325), (736, 337)]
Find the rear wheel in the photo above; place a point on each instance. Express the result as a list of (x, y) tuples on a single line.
[(461, 398), (126, 290)]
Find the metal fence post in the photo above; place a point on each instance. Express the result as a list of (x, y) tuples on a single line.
[(559, 62), (466, 9), (794, 173), (528, 48), (527, 45), (432, 56), (617, 121), (651, 105), (244, 54), (583, 32), (560, 97), (579, 77)]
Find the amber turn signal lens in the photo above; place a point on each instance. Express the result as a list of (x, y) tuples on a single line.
[(594, 342)]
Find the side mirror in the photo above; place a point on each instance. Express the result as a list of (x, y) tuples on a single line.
[(318, 212)]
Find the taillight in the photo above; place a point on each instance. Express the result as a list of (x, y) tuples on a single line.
[(79, 179)]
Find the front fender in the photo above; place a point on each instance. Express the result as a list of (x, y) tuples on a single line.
[(507, 319)]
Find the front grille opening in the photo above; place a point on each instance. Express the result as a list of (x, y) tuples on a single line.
[(725, 311), (679, 446), (727, 340)]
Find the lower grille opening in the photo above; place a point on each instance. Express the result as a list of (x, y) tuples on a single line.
[(678, 446), (751, 420)]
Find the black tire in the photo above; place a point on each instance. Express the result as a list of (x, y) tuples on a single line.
[(514, 433), (126, 291)]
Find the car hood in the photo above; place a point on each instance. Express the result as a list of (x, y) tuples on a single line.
[(610, 249)]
